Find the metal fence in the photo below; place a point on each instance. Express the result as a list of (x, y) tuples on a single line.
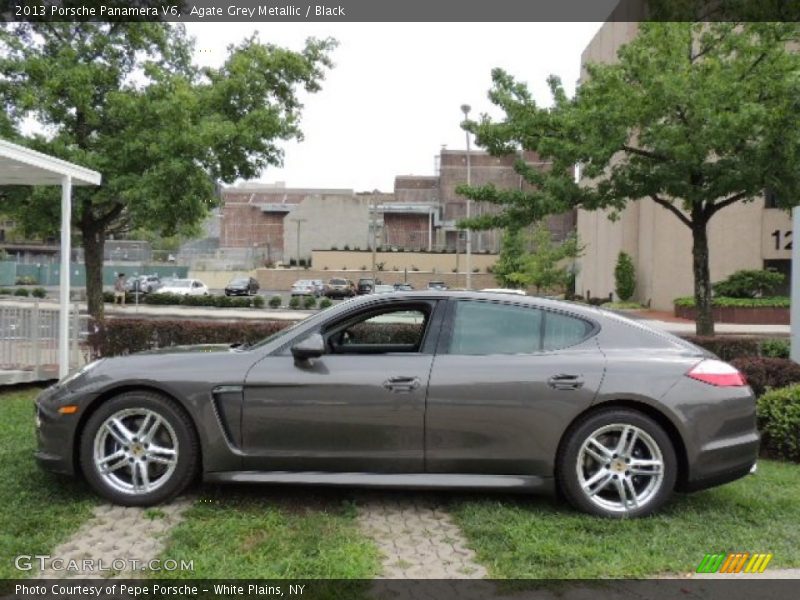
[(29, 342)]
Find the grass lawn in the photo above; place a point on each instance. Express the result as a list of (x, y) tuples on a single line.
[(527, 537), (271, 533), (37, 510)]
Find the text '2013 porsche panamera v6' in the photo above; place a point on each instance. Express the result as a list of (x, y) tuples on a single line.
[(417, 389)]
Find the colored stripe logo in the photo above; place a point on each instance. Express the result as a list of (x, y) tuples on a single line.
[(734, 562)]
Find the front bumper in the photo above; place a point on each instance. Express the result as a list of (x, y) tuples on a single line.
[(56, 433)]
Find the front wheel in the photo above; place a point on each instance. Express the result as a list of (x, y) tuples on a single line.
[(139, 449), (617, 463)]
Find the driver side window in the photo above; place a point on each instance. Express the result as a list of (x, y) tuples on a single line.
[(401, 330)]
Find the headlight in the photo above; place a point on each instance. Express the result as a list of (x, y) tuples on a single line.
[(83, 370)]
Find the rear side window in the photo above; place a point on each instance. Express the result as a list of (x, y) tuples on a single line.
[(488, 328)]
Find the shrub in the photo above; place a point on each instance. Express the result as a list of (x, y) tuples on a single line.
[(728, 347), (309, 302), (115, 337), (5, 292), (25, 280), (597, 301), (764, 374), (325, 303), (779, 423), (21, 292), (39, 292), (725, 301), (749, 284), (258, 301), (775, 348), (161, 299), (624, 277), (294, 302), (275, 302)]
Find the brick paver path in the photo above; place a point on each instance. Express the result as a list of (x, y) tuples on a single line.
[(118, 533), (416, 537)]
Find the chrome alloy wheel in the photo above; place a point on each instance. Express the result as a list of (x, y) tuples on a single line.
[(620, 467), (135, 451)]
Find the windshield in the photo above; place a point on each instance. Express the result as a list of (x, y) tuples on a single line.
[(238, 282)]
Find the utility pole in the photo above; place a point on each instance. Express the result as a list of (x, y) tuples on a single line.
[(374, 223), (465, 108)]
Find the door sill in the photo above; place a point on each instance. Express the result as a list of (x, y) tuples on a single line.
[(409, 480)]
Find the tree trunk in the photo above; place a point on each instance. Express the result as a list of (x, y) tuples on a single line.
[(93, 245), (702, 279)]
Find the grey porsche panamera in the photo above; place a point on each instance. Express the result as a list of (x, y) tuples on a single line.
[(416, 389)]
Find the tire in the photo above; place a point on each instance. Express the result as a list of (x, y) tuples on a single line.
[(599, 476), (168, 474)]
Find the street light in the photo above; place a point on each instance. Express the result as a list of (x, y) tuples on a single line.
[(465, 108)]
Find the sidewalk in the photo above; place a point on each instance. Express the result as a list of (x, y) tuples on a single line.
[(668, 322)]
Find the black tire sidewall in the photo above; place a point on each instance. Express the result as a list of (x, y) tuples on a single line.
[(186, 438), (567, 478)]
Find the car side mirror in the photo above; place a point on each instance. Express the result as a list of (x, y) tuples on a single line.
[(311, 347)]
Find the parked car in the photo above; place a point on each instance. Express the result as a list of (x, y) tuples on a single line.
[(436, 285), (320, 286), (143, 283), (383, 289), (340, 288), (507, 391), (304, 287), (403, 287), (242, 286), (365, 286), (185, 287), (504, 291)]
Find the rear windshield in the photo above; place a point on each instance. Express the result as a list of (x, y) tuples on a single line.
[(338, 281)]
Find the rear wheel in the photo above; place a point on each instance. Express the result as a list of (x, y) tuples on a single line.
[(139, 449), (617, 463)]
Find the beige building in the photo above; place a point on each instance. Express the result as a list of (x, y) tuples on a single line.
[(743, 236)]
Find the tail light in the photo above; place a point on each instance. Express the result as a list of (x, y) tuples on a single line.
[(716, 372)]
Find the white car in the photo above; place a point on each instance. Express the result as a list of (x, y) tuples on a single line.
[(185, 287), (305, 287), (505, 291), (383, 289)]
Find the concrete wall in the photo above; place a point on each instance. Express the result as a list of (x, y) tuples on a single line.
[(424, 261), (282, 279), (330, 220)]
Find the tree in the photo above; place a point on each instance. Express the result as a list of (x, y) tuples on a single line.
[(510, 259), (694, 116), (126, 100), (546, 267), (624, 277)]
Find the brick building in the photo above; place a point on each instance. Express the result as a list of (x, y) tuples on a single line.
[(421, 213)]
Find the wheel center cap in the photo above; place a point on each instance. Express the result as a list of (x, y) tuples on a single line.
[(618, 466), (137, 449)]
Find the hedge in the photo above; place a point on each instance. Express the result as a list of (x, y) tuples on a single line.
[(724, 301), (175, 299), (728, 347), (114, 337), (764, 374), (779, 423)]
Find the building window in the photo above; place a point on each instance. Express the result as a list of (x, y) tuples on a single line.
[(770, 199)]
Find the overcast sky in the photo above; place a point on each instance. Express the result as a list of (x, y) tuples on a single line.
[(393, 97)]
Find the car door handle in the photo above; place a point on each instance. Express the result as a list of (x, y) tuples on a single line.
[(563, 381), (401, 383)]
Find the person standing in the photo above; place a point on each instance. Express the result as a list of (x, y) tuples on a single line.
[(119, 289)]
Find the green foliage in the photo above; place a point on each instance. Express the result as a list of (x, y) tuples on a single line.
[(309, 302), (765, 374), (22, 292), (325, 303), (728, 347), (779, 423), (114, 337), (275, 302), (624, 277), (124, 99), (39, 292), (509, 262), (694, 116), (775, 348), (176, 299), (723, 301), (749, 284), (25, 280), (294, 302), (5, 292), (546, 266)]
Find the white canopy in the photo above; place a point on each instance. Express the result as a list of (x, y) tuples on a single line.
[(22, 166)]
